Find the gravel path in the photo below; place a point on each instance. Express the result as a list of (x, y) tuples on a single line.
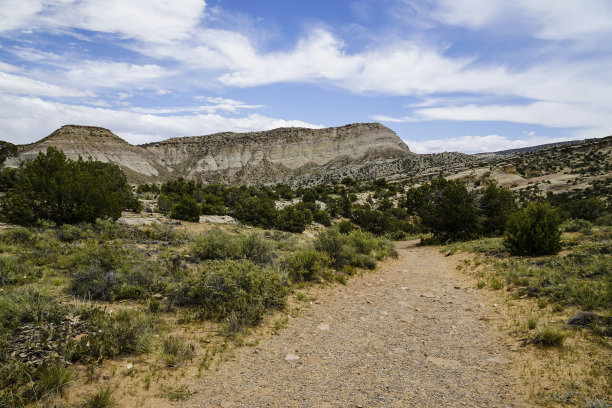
[(411, 334)]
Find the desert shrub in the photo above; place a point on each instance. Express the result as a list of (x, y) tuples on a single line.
[(495, 205), (256, 248), (533, 231), (333, 243), (345, 227), (322, 218), (110, 335), (363, 261), (69, 233), (576, 225), (109, 272), (52, 187), (588, 209), (292, 219), (13, 271), (187, 209), (445, 208), (259, 210), (23, 306), (221, 289), (605, 220), (17, 236), (216, 244), (307, 265)]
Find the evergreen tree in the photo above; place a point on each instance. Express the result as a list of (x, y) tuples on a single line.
[(534, 231)]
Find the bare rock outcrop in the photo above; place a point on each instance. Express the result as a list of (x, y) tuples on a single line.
[(102, 145), (277, 155)]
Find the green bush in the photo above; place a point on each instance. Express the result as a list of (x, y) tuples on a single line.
[(259, 211), (110, 335), (445, 208), (110, 272), (187, 209), (333, 243), (307, 265), (256, 248), (292, 219), (54, 188), (533, 231), (12, 271), (495, 205), (216, 244), (241, 289), (17, 236), (576, 225), (69, 233)]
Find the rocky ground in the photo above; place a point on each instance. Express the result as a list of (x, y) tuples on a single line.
[(413, 333)]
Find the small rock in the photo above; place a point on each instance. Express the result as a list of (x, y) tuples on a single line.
[(457, 287), (404, 288), (323, 327), (581, 318), (158, 296), (292, 357), (448, 253), (497, 360), (428, 295)]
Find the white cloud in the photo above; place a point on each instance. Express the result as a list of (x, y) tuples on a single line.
[(27, 119), (106, 74), (552, 114), (22, 85), (146, 20), (477, 144), (546, 19), (15, 14)]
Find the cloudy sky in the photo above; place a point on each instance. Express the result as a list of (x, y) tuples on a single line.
[(470, 75)]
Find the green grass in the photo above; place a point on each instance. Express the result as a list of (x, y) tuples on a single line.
[(101, 399), (550, 336), (176, 352)]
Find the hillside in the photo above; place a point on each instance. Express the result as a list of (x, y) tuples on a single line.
[(99, 144)]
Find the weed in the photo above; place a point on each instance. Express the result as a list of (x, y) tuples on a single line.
[(176, 394), (101, 399), (176, 351), (532, 323), (550, 336)]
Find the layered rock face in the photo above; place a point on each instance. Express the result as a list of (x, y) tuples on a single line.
[(291, 155), (102, 145), (276, 155)]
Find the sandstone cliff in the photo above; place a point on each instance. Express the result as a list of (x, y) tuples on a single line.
[(102, 145), (277, 155), (290, 155)]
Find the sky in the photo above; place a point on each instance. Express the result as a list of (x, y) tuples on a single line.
[(445, 75)]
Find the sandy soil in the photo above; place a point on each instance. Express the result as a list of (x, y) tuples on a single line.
[(413, 333)]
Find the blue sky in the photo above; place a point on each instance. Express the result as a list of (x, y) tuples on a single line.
[(445, 75)]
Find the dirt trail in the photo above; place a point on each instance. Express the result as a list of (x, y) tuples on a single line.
[(412, 333)]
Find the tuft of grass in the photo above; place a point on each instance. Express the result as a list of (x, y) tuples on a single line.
[(101, 399), (51, 379), (176, 394), (176, 351), (532, 323), (550, 336)]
